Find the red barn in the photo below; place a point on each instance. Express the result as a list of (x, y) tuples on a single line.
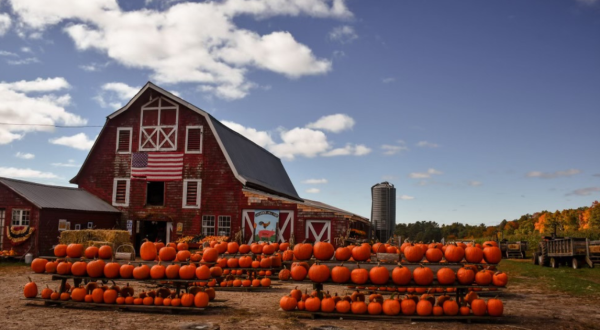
[(174, 170), (25, 205)]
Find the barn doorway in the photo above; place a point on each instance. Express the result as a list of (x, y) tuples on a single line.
[(153, 231)]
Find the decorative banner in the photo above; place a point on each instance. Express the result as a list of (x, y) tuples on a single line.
[(179, 228), (19, 234), (265, 225)]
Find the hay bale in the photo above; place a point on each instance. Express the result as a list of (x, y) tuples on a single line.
[(87, 237)]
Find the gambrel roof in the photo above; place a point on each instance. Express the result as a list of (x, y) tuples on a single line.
[(251, 164)]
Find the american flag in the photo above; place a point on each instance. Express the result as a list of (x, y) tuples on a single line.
[(159, 166)]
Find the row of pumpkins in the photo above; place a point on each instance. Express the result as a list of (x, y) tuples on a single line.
[(400, 275), (425, 305), (93, 293)]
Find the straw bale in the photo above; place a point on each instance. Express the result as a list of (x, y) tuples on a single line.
[(87, 237)]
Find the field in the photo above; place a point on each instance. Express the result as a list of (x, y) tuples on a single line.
[(537, 298)]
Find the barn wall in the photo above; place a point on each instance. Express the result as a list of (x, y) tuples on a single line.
[(9, 200)]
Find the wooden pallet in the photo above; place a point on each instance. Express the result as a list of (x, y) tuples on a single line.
[(383, 317), (138, 308)]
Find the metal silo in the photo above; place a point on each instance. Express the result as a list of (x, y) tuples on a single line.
[(383, 210)]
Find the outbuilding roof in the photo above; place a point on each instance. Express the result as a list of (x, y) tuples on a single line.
[(56, 197)]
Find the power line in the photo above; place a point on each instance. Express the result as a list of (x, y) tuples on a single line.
[(48, 125)]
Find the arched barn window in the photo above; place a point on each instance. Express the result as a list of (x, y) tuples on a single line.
[(159, 126)]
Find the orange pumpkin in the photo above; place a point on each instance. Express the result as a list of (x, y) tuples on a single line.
[(342, 306), (413, 253), (98, 295), (74, 250), (172, 271), (210, 255), (157, 271), (233, 247), (340, 274), (38, 265), (201, 299), (409, 306), (30, 290), (312, 304), (473, 254), (298, 273), (60, 250), (112, 270), (187, 300), (454, 253), (91, 252), (500, 279), (184, 246), (343, 254), (79, 268), (243, 249), (483, 278), (318, 273), (148, 251), (465, 276), (423, 275), (391, 306), (446, 276), (303, 251), (379, 275), (327, 304), (126, 271), (64, 268), (142, 272), (187, 272), (434, 255), (424, 308), (492, 254), (183, 255), (46, 293), (361, 253), (105, 252), (450, 307), (323, 250), (167, 253), (110, 296), (359, 275), (495, 307), (478, 307)]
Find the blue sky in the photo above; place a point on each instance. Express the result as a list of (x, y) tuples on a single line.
[(476, 111)]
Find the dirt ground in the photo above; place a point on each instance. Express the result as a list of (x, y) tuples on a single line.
[(525, 308)]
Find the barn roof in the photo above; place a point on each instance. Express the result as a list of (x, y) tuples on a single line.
[(56, 197), (322, 205), (251, 164)]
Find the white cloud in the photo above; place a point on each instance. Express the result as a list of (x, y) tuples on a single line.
[(389, 149), (349, 150), (425, 144), (19, 107), (584, 191), (475, 183), (424, 175), (552, 175), (6, 53), (24, 155), (12, 172), (388, 80), (209, 50), (587, 2), (315, 181), (115, 94), (261, 138), (5, 23), (69, 163), (406, 198), (313, 190), (23, 61), (78, 141), (94, 67), (344, 34), (26, 50), (333, 123)]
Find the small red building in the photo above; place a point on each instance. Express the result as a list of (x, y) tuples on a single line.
[(174, 170), (43, 208)]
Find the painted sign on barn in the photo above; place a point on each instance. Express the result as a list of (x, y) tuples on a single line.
[(265, 223)]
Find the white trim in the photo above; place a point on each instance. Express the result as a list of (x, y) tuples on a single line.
[(198, 194), (187, 133), (213, 226), (2, 220), (288, 220), (147, 132), (114, 196), (130, 129), (12, 218), (326, 228)]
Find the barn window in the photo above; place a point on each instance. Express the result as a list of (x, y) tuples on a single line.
[(124, 140), (224, 225), (191, 194), (121, 192), (155, 193), (208, 225), (193, 140), (159, 126), (20, 217)]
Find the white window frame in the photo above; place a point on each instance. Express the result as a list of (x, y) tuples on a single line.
[(2, 220), (198, 195), (12, 219), (114, 196), (187, 134), (158, 128), (219, 225), (214, 221), (130, 129)]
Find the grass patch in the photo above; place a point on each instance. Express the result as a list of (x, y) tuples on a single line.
[(7, 264), (576, 282)]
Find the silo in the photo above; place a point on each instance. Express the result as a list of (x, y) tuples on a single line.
[(383, 210)]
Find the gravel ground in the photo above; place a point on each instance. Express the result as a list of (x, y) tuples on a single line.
[(525, 308)]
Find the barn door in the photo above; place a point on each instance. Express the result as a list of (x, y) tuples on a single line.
[(2, 215), (318, 230), (285, 225)]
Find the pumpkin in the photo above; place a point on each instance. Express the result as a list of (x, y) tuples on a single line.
[(465, 276), (318, 273), (374, 308), (210, 255), (147, 251), (424, 308), (243, 249), (187, 300), (359, 275), (266, 282), (74, 250), (268, 249), (483, 278), (55, 295), (46, 292), (478, 307), (127, 291), (245, 262), (110, 296), (464, 310), (361, 253), (105, 252), (358, 307), (469, 297), (297, 294), (401, 275), (340, 274), (148, 301), (328, 304), (298, 273), (60, 250), (312, 304), (79, 268), (284, 274), (126, 271), (64, 268), (473, 254), (98, 295), (288, 255), (323, 250), (343, 254), (91, 252), (157, 271), (446, 276), (159, 245), (51, 267), (495, 307), (492, 254), (201, 299), (216, 271), (233, 247), (454, 253), (184, 246), (434, 255), (138, 301), (120, 301), (288, 303), (141, 272), (266, 263), (391, 306), (342, 306), (65, 296), (183, 255), (203, 272), (112, 270), (379, 275), (408, 306), (30, 290), (167, 253), (450, 307), (303, 251), (500, 279), (423, 275), (413, 253), (187, 272)]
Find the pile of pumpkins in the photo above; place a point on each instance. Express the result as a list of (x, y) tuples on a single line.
[(425, 305), (380, 276), (93, 293), (410, 253)]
